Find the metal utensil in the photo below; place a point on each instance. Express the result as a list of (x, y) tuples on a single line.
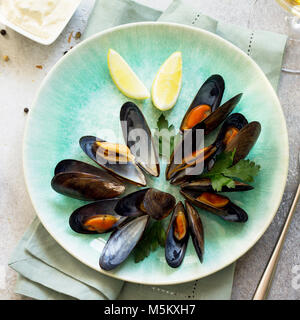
[(264, 285)]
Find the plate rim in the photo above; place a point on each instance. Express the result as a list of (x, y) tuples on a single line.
[(157, 24)]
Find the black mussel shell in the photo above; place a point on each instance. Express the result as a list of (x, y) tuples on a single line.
[(181, 178), (103, 209), (192, 143), (204, 185), (122, 242), (220, 114), (132, 204), (229, 212), (158, 204), (244, 141), (173, 171), (210, 93), (129, 171), (175, 247), (82, 181), (235, 121), (196, 230), (139, 139), (70, 165)]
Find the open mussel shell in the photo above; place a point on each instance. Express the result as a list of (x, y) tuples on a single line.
[(179, 161), (244, 141), (132, 204), (229, 130), (82, 181), (70, 165), (231, 126), (158, 204), (207, 156), (128, 171), (220, 114), (122, 242), (204, 185), (196, 229), (177, 237), (96, 217), (181, 178), (206, 101), (216, 204), (139, 139)]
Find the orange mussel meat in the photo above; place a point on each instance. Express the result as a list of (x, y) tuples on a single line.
[(100, 223), (196, 115), (212, 199)]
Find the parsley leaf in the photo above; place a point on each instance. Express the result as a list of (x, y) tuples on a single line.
[(223, 173), (244, 170), (223, 161), (219, 181), (165, 137), (154, 237), (162, 123)]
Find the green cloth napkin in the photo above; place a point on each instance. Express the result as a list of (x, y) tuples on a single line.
[(45, 270)]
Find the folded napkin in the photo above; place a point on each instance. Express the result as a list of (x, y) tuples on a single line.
[(45, 270)]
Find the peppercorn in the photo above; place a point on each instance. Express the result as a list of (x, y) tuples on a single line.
[(78, 35), (3, 32), (65, 52), (26, 110)]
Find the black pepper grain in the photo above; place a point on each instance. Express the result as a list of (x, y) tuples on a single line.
[(3, 32), (26, 110), (78, 35), (65, 52)]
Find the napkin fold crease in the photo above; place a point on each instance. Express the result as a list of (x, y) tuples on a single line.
[(46, 271)]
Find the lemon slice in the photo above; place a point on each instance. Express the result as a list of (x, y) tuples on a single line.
[(124, 78), (167, 83)]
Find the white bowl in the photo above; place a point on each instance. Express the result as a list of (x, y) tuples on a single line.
[(44, 41)]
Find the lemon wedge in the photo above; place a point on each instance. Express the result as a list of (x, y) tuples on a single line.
[(167, 83), (124, 77)]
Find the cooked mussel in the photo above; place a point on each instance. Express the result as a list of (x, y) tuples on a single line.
[(158, 204), (180, 162), (217, 204), (96, 217), (244, 141), (205, 102), (177, 237), (207, 155), (220, 114), (139, 139), (122, 242), (196, 229), (213, 120), (132, 204), (116, 158), (155, 203), (230, 128), (82, 181), (205, 185)]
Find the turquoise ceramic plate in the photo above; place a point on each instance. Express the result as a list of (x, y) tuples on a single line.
[(79, 98)]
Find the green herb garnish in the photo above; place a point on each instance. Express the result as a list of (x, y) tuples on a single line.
[(154, 237), (165, 136), (223, 172)]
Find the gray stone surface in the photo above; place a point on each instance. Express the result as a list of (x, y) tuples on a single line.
[(19, 81)]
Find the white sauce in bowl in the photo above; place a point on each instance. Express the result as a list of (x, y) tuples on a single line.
[(43, 18)]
